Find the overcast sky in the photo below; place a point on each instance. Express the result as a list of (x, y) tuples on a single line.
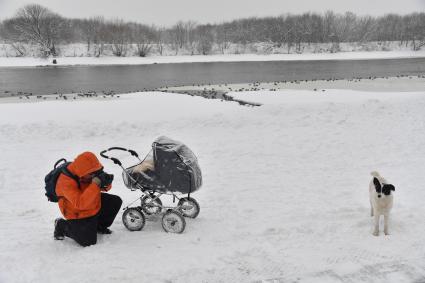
[(168, 12)]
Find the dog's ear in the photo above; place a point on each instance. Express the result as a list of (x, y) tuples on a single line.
[(392, 188), (377, 184)]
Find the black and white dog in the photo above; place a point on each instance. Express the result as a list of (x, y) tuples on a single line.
[(381, 200)]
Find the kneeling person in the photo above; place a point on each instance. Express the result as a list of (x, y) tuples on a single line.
[(87, 209)]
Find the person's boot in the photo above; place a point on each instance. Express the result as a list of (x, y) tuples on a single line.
[(105, 231), (59, 233)]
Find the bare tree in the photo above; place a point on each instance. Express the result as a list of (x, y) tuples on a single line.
[(417, 28), (10, 36), (100, 35), (143, 36), (159, 40), (119, 36), (205, 39), (364, 29), (222, 37), (36, 24), (178, 36), (91, 31), (191, 36), (328, 26)]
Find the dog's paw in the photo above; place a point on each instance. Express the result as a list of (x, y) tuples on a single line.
[(375, 233), (386, 233)]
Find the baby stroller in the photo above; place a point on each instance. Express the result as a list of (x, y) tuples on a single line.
[(170, 168)]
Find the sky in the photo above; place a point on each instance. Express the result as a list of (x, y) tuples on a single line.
[(168, 12)]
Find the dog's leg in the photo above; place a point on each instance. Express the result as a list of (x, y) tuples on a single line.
[(371, 209), (376, 229), (386, 220)]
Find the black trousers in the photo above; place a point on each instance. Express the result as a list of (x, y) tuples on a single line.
[(84, 231)]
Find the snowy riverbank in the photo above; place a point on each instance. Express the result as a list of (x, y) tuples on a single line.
[(69, 61), (284, 198), (386, 84)]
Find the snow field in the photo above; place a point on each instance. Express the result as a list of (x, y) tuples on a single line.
[(387, 84), (285, 195)]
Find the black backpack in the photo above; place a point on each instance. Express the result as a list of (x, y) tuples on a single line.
[(53, 176)]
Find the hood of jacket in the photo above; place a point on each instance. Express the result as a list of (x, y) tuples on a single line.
[(84, 164)]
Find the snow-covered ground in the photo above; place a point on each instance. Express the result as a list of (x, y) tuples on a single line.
[(285, 195), (110, 60), (387, 84), (131, 50)]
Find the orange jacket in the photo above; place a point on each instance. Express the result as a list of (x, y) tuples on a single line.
[(84, 201)]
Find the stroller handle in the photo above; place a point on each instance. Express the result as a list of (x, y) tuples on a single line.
[(114, 159)]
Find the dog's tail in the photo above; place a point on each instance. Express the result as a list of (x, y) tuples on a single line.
[(375, 174)]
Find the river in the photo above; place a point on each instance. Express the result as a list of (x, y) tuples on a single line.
[(128, 78)]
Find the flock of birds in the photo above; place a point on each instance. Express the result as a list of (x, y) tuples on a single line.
[(60, 96), (220, 91), (207, 91), (70, 96)]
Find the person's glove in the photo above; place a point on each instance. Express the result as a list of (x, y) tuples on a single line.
[(103, 179)]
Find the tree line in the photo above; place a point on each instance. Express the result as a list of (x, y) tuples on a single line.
[(35, 24)]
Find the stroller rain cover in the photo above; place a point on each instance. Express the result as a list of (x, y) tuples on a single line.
[(176, 166)]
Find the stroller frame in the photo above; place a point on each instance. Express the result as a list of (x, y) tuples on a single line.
[(150, 198)]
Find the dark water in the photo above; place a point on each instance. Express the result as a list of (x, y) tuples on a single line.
[(48, 80)]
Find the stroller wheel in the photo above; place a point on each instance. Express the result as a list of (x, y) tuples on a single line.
[(173, 222), (189, 207), (151, 206), (133, 219)]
